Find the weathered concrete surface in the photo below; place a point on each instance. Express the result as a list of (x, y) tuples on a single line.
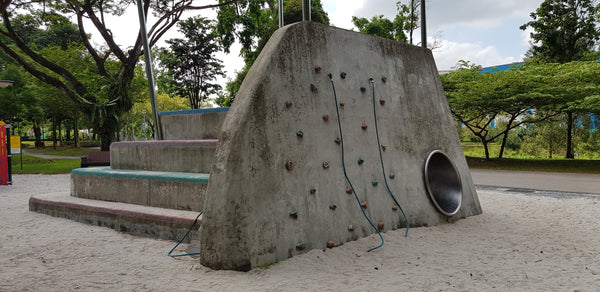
[(193, 124), (132, 219), (166, 155), (174, 190), (258, 212)]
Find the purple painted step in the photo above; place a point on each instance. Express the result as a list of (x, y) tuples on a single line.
[(165, 155)]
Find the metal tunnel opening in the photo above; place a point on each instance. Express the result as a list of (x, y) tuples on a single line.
[(443, 183)]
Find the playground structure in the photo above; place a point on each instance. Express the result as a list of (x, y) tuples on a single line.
[(334, 135)]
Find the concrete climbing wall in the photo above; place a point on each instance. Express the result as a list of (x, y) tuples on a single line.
[(277, 186)]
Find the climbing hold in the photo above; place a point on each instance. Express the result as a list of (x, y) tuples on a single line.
[(300, 246), (364, 126), (363, 89), (330, 244), (326, 117), (289, 165), (300, 133), (313, 88), (330, 76), (375, 182), (392, 176), (380, 225), (360, 161), (394, 207), (341, 104), (332, 206), (313, 190), (349, 191), (288, 104), (343, 75), (384, 79), (338, 140), (350, 227), (383, 147), (318, 69), (325, 164), (294, 214), (364, 204), (382, 101)]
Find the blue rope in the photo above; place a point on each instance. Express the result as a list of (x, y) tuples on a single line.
[(381, 160), (344, 166), (180, 241)]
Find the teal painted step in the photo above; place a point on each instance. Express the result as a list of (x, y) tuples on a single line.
[(172, 190)]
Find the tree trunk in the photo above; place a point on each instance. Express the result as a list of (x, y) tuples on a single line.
[(38, 135), (76, 133), (485, 148), (54, 134), (569, 154)]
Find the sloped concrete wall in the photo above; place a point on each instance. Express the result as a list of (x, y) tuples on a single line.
[(258, 211)]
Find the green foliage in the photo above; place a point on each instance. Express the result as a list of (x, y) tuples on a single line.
[(381, 27), (190, 62), (564, 30), (252, 22), (477, 98)]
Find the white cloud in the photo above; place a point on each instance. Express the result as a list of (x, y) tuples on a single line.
[(340, 12), (450, 53)]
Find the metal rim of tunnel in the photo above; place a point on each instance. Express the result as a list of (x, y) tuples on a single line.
[(443, 183)]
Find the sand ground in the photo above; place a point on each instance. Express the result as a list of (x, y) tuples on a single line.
[(524, 241)]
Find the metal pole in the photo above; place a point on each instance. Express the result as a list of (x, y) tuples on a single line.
[(280, 9), (423, 26), (9, 156), (149, 73), (306, 13)]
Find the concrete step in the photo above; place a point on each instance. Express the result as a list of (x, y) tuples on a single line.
[(164, 155), (133, 219), (172, 190)]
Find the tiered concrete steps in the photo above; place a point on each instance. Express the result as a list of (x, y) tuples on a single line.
[(130, 218), (152, 188)]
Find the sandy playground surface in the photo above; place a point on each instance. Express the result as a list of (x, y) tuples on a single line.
[(522, 242)]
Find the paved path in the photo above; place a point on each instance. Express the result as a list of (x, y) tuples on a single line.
[(535, 180), (48, 156)]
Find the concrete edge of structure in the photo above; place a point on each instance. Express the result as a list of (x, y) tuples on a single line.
[(194, 111), (142, 174), (133, 219)]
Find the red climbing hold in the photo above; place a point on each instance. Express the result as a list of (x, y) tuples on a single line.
[(382, 101), (380, 225), (318, 69), (289, 165), (326, 117), (349, 191), (364, 126)]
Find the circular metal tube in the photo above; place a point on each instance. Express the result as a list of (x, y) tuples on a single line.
[(443, 183)]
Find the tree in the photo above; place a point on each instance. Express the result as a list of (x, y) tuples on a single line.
[(191, 63), (252, 22), (477, 98), (106, 105), (564, 31), (381, 27)]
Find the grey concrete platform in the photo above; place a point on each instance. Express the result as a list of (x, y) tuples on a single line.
[(165, 155), (173, 190), (133, 219)]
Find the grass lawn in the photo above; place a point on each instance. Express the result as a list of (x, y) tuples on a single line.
[(35, 165)]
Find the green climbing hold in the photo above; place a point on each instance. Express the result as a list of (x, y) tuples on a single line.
[(375, 182), (343, 75), (294, 214), (360, 161), (313, 88), (299, 133), (363, 89)]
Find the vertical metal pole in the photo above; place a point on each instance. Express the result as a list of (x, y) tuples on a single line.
[(306, 13), (149, 74), (9, 156), (280, 12), (423, 26)]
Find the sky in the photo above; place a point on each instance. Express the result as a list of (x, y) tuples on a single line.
[(484, 32)]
